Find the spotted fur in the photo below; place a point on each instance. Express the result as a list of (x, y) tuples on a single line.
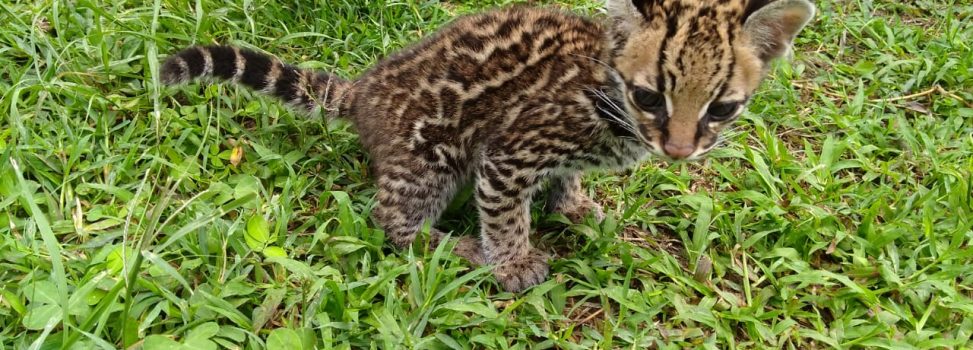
[(514, 97)]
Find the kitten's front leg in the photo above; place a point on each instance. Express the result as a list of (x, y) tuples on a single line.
[(503, 196), (567, 197)]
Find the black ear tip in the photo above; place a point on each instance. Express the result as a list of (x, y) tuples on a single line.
[(753, 6), (642, 6)]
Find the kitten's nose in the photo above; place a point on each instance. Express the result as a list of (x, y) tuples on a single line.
[(678, 150)]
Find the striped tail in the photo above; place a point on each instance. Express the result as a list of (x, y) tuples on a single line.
[(303, 88)]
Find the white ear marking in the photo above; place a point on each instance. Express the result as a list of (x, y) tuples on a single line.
[(624, 13), (772, 28)]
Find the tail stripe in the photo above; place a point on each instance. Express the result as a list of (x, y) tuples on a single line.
[(270, 81), (226, 68), (240, 63), (255, 73), (207, 61), (194, 61), (286, 85)]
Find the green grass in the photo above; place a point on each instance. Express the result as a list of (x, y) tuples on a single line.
[(839, 215)]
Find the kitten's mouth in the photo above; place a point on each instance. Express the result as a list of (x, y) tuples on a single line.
[(703, 152), (670, 159)]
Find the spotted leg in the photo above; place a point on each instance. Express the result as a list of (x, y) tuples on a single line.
[(408, 199), (503, 195)]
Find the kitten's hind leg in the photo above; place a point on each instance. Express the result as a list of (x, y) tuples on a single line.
[(567, 197), (407, 200)]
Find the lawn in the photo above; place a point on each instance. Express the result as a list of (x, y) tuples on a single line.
[(839, 214)]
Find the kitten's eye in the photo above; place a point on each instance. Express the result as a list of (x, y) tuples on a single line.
[(647, 100), (722, 111)]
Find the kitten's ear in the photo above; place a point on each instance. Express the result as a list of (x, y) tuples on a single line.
[(629, 10), (772, 25), (629, 14)]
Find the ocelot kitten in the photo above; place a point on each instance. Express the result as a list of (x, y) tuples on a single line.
[(517, 96)]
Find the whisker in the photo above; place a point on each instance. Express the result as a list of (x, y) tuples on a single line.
[(617, 114)]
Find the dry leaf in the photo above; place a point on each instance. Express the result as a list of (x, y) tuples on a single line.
[(236, 156)]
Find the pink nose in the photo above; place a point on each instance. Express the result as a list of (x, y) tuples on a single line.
[(679, 150)]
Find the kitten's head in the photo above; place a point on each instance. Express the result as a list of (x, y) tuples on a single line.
[(689, 67)]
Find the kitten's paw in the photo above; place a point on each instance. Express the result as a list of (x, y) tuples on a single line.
[(522, 273), (469, 248), (402, 241), (580, 207), (465, 247)]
